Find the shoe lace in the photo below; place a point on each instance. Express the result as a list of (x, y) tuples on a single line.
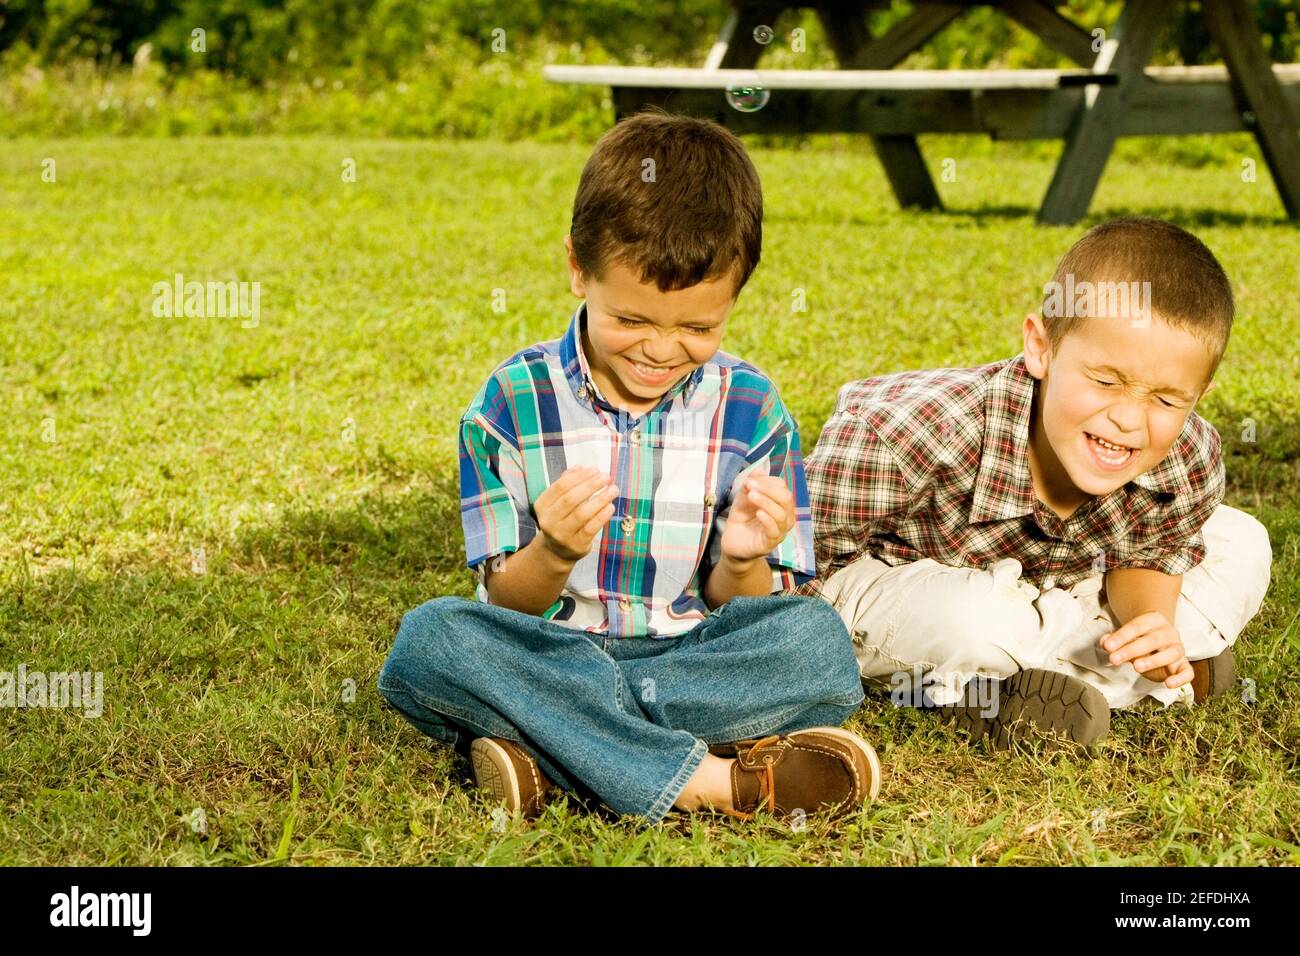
[(766, 779)]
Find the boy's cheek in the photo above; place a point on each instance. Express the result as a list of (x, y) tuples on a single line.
[(1076, 407), (1061, 425), (1165, 432)]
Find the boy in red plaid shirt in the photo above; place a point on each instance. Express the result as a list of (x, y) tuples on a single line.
[(1039, 540)]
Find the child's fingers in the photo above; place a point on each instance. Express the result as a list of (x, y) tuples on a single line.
[(1161, 658), (562, 485), (580, 492), (1132, 630), (1154, 641), (598, 521), (1183, 675), (585, 511), (774, 487), (571, 477), (767, 504), (768, 522)]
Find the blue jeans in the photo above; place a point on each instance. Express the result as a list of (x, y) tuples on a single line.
[(626, 719)]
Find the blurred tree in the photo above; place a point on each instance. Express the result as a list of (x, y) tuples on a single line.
[(257, 39)]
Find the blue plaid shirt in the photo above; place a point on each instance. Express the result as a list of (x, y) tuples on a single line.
[(677, 468)]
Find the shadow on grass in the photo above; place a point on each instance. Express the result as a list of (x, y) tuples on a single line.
[(1188, 218), (1195, 218), (867, 221), (376, 538), (264, 596)]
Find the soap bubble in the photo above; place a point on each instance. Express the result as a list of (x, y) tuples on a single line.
[(763, 34), (747, 98)]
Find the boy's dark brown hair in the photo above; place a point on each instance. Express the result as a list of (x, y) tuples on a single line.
[(1189, 288), (673, 198)]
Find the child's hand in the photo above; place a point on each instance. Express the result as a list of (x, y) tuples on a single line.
[(1154, 647), (573, 510), (760, 518)]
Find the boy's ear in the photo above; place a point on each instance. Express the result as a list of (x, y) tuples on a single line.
[(576, 284), (1037, 349)]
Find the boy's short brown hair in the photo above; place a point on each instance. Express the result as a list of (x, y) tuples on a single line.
[(674, 198), (1188, 287)]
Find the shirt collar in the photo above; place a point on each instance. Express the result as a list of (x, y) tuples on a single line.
[(1004, 487), (578, 371), (1171, 476)]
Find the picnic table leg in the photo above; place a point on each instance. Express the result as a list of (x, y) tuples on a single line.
[(1060, 33), (1096, 126), (1250, 74), (905, 167), (856, 50), (726, 36)]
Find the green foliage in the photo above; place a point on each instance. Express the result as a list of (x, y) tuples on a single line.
[(259, 39), (418, 68)]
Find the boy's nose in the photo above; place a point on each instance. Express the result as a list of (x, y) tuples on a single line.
[(1126, 416)]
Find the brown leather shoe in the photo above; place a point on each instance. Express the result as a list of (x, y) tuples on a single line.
[(509, 774), (1214, 675), (823, 768)]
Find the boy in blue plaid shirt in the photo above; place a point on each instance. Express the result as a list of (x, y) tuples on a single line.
[(631, 498)]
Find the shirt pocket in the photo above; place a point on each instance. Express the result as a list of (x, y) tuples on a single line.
[(681, 536)]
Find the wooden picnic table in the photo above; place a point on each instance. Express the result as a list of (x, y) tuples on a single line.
[(1112, 93)]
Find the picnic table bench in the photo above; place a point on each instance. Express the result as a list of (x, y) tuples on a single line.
[(1112, 92)]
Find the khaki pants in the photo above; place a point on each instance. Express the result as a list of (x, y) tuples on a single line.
[(941, 626)]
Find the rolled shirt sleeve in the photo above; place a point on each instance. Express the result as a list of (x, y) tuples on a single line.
[(495, 514)]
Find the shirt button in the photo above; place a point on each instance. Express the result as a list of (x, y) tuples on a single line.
[(582, 392), (624, 604), (628, 524), (710, 500), (636, 435), (1049, 583)]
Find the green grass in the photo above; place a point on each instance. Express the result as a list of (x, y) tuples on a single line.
[(224, 690)]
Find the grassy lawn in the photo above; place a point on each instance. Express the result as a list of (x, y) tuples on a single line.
[(229, 522)]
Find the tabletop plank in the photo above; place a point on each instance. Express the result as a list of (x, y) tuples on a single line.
[(685, 78)]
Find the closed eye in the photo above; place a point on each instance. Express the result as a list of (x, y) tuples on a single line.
[(1100, 381), (636, 323)]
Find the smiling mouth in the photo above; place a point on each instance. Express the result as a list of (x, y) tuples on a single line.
[(652, 374), (1109, 455)]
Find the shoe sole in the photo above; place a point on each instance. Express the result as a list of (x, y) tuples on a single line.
[(860, 745), (494, 772), (1039, 701), (968, 717)]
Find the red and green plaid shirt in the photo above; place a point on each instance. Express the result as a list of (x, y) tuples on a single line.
[(934, 464)]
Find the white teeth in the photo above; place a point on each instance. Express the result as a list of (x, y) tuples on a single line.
[(1119, 453), (1113, 447), (652, 369)]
